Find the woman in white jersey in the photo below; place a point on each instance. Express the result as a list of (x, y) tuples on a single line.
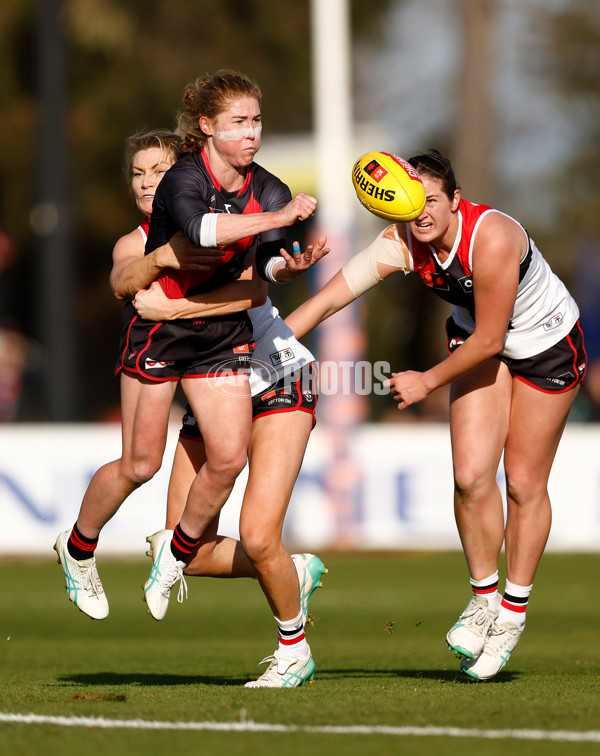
[(516, 361)]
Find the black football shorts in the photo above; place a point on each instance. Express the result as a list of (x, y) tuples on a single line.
[(556, 369), (186, 348)]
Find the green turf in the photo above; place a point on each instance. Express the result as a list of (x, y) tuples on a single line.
[(378, 643)]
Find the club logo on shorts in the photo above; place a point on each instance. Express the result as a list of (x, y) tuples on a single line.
[(285, 355), (157, 364)]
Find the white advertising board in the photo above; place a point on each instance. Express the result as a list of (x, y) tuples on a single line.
[(397, 481)]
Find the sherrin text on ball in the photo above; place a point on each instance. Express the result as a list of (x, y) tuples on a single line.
[(388, 186)]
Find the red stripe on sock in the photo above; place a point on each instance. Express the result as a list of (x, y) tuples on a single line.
[(481, 591), (291, 641), (182, 548), (520, 608), (183, 544), (78, 543)]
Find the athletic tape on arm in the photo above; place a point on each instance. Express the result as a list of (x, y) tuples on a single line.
[(268, 268), (361, 271), (208, 230)]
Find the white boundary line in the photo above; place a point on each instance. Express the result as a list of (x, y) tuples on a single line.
[(592, 736)]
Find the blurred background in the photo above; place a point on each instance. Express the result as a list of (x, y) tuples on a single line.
[(508, 89)]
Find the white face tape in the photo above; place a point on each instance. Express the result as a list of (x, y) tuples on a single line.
[(242, 132)]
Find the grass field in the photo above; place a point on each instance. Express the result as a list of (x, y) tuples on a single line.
[(378, 643)]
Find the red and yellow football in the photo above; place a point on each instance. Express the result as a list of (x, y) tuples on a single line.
[(388, 186)]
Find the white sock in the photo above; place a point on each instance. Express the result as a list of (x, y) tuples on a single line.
[(488, 588), (292, 641), (514, 604)]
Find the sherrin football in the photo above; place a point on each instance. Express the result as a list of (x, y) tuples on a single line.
[(388, 186)]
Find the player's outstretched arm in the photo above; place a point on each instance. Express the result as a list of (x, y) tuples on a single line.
[(334, 296)]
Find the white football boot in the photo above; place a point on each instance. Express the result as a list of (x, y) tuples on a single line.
[(468, 635), (310, 570), (84, 587), (166, 571), (499, 645), (285, 672)]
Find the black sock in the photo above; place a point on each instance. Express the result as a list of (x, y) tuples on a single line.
[(80, 547), (183, 545)]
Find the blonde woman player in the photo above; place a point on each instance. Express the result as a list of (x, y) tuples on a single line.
[(516, 362)]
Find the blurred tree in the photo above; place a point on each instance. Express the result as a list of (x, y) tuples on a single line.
[(576, 45), (127, 65)]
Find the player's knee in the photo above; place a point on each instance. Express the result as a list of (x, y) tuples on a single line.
[(257, 546), (227, 466), (141, 469), (470, 483), (522, 488)]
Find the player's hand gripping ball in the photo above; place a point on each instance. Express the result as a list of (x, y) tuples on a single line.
[(388, 186)]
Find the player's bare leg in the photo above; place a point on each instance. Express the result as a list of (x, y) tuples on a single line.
[(268, 492), (479, 413), (217, 556), (276, 452), (224, 419), (537, 423), (479, 421), (145, 412)]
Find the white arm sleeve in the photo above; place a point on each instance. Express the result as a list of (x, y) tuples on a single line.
[(361, 272)]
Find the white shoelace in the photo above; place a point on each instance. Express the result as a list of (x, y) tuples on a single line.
[(91, 581), (500, 637), (175, 575)]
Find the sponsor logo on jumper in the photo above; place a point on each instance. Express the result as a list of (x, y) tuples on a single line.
[(199, 322), (454, 342), (285, 355), (554, 322), (156, 364), (375, 171)]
